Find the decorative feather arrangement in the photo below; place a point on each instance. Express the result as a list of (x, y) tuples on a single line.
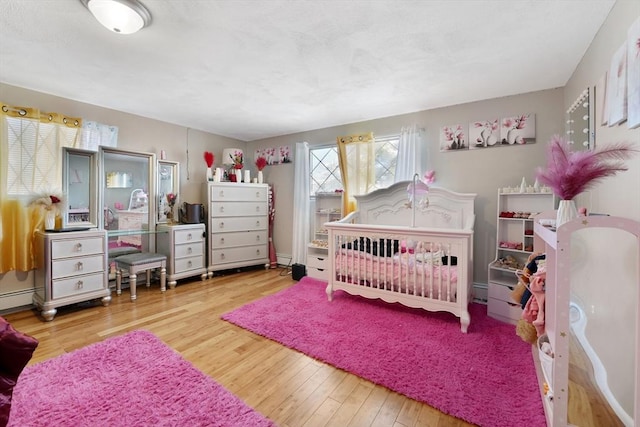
[(209, 158), (569, 173), (261, 162)]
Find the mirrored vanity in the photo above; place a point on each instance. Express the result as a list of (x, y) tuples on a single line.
[(127, 183), (80, 184)]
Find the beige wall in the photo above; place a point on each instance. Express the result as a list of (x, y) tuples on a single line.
[(473, 171), (135, 133)]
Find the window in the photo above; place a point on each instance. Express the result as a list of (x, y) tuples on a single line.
[(325, 169)]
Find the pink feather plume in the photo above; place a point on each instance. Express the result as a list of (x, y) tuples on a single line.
[(569, 173)]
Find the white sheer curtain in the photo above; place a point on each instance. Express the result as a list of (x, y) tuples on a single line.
[(95, 134), (412, 153), (301, 188)]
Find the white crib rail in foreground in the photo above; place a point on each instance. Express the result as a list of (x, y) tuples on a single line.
[(411, 266)]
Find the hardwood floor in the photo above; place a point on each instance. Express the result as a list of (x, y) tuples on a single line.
[(288, 387)]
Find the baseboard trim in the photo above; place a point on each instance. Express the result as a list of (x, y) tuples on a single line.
[(18, 299)]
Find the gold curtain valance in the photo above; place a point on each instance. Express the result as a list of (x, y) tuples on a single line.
[(362, 137), (34, 113)]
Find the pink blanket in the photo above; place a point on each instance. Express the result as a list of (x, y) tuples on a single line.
[(419, 274)]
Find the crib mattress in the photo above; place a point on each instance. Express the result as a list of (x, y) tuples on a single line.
[(421, 274)]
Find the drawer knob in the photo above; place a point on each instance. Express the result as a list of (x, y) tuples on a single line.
[(258, 194), (221, 225), (258, 238), (79, 284), (257, 208), (189, 237), (79, 266), (221, 209), (189, 263), (222, 240), (78, 247), (222, 256), (221, 193), (189, 249), (258, 223)]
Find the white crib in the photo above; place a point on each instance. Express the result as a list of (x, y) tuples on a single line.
[(418, 256)]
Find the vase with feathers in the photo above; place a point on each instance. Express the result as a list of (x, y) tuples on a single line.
[(570, 173), (209, 159)]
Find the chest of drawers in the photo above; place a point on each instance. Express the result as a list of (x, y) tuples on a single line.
[(71, 268), (184, 246), (237, 225)]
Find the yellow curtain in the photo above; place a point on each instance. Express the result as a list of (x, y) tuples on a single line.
[(39, 168), (356, 155)]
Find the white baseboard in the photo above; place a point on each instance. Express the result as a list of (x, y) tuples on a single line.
[(12, 300), (480, 293)]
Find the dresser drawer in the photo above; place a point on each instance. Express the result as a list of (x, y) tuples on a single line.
[(317, 261), (189, 250), (188, 236), (76, 247), (240, 193), (239, 238), (186, 264), (503, 310), (318, 273), (77, 285), (77, 266), (231, 209), (245, 253), (239, 224)]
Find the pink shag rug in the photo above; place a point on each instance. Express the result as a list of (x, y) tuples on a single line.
[(485, 377), (129, 380)]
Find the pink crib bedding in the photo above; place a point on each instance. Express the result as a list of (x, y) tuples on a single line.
[(421, 274)]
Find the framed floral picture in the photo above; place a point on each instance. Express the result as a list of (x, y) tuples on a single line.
[(275, 156), (617, 87), (519, 129), (453, 138), (484, 133)]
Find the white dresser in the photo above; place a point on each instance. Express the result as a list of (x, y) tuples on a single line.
[(237, 225), (184, 246), (71, 268)]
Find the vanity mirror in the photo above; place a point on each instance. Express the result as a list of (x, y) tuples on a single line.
[(580, 123), (168, 183), (80, 184), (128, 188)]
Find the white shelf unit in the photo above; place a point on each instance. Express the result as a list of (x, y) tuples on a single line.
[(327, 208), (563, 255), (514, 239)]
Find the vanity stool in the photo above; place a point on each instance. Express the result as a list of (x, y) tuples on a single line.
[(141, 261)]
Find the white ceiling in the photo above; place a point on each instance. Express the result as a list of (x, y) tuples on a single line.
[(251, 69)]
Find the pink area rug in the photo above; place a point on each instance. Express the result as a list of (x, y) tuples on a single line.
[(129, 380), (486, 377)]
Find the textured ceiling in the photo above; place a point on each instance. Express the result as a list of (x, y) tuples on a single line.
[(255, 69)]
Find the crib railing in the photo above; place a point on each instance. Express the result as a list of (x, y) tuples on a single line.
[(409, 262)]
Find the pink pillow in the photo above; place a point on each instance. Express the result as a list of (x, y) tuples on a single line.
[(16, 349)]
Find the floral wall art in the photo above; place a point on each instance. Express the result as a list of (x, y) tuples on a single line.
[(483, 133), (453, 138), (518, 129), (494, 132), (275, 156), (617, 87)]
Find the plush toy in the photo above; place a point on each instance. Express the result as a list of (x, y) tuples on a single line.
[(526, 331)]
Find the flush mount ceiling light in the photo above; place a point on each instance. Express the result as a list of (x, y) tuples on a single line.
[(119, 16)]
